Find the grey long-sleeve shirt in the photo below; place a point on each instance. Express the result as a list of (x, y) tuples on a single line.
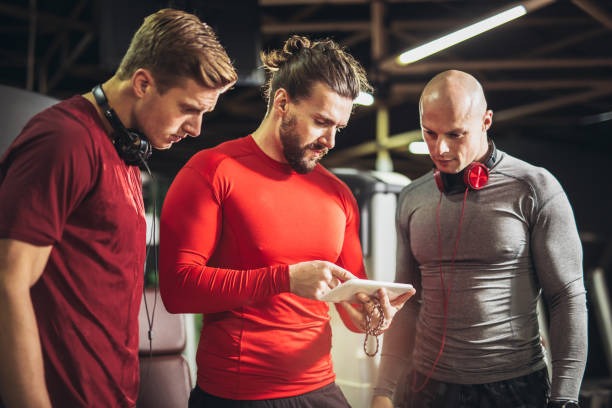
[(518, 239)]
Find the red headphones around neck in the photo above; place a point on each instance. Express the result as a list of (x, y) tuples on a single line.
[(475, 176)]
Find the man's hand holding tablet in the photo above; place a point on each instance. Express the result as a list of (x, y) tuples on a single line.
[(367, 293)]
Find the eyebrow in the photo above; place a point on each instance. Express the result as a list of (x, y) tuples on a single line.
[(194, 106), (328, 121), (456, 130)]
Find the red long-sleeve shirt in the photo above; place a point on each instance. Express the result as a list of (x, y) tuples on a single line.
[(232, 222)]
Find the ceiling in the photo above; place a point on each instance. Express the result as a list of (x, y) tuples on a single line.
[(547, 75)]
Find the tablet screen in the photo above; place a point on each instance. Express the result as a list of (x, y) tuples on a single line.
[(347, 290)]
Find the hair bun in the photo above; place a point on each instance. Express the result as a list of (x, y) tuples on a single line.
[(273, 60), (295, 44)]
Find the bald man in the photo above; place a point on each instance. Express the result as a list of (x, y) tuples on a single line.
[(481, 237)]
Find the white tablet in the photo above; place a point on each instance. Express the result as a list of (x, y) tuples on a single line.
[(349, 288)]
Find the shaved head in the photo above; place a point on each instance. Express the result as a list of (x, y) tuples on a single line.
[(455, 91), (454, 120)]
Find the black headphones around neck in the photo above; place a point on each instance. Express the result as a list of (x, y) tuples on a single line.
[(475, 176), (132, 146)]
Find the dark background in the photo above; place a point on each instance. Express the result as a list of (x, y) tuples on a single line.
[(547, 76)]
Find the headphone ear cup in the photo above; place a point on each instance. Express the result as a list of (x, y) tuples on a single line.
[(476, 175), (439, 180), (132, 146)]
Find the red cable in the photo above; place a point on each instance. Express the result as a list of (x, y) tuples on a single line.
[(445, 292)]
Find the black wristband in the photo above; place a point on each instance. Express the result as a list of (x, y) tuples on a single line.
[(563, 404)]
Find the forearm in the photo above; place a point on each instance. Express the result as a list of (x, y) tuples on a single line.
[(22, 380), (397, 350), (568, 334), (557, 257), (205, 289)]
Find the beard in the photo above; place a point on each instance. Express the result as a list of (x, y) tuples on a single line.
[(293, 152)]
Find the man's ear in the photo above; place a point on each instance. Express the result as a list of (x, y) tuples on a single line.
[(280, 103), (142, 82), (487, 120)]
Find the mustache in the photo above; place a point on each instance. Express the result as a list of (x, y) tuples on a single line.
[(317, 146)]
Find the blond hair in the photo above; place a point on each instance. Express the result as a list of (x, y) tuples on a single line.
[(174, 45)]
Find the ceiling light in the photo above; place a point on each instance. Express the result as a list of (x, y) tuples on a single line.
[(463, 34), (364, 99), (418, 148)]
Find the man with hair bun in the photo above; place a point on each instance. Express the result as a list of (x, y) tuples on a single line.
[(255, 230), (72, 225)]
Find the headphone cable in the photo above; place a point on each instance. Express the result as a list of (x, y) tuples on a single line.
[(152, 239), (445, 291)]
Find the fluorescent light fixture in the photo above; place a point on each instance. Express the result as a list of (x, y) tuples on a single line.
[(364, 99), (418, 148), (451, 39)]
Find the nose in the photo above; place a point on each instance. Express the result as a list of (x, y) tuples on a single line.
[(329, 138), (193, 127), (442, 146)]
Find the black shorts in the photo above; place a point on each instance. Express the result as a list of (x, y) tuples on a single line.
[(329, 396), (529, 391)]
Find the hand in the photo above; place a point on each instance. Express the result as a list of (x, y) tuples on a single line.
[(380, 401), (313, 279), (390, 308)]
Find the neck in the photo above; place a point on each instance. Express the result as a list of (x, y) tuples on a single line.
[(485, 151), (119, 99), (267, 137)]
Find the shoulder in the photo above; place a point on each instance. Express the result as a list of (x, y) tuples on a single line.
[(332, 187), (326, 177), (64, 130), (207, 161), (541, 182), (420, 187), (71, 117)]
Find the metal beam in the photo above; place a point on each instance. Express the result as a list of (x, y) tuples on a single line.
[(267, 3), (564, 42), (424, 67), (408, 25), (595, 11), (281, 28), (60, 38), (514, 85), (542, 106), (305, 12), (76, 52), (24, 14), (355, 38), (393, 142)]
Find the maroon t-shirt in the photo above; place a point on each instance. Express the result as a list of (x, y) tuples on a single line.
[(63, 184)]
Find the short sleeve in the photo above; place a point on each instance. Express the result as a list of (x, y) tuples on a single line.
[(46, 172)]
